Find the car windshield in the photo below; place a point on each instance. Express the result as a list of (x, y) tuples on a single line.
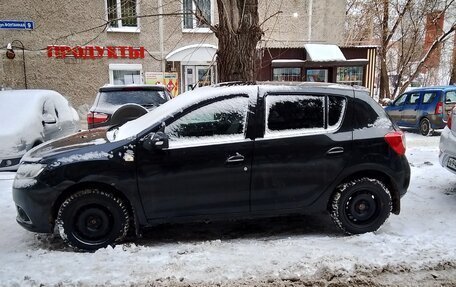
[(146, 98)]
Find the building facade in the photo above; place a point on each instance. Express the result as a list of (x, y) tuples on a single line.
[(75, 47)]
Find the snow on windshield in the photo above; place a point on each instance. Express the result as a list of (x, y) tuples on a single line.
[(169, 108)]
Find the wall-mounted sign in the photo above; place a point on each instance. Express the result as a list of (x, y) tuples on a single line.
[(169, 80), (17, 24), (96, 52)]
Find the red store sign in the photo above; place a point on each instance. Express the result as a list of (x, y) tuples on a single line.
[(96, 52)]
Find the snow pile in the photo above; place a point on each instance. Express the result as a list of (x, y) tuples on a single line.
[(421, 237)]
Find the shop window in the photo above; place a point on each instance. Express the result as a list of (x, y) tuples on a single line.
[(125, 74), (317, 75), (350, 75), (195, 15), (122, 15), (286, 74)]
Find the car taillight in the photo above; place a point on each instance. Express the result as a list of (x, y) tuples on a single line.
[(97, 118), (439, 108), (396, 140)]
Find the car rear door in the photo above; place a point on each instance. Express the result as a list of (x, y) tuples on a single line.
[(206, 169), (410, 112), (304, 147)]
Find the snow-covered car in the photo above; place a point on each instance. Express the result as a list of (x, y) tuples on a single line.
[(447, 155), (221, 152), (29, 118)]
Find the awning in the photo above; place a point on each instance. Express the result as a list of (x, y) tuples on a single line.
[(295, 63), (323, 53), (193, 53)]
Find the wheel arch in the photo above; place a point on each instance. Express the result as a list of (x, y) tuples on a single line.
[(93, 185), (374, 174)]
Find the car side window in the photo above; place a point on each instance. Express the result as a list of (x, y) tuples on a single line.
[(399, 101), (49, 108), (429, 97), (216, 122), (413, 99), (301, 114)]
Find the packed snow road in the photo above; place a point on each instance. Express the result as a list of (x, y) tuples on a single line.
[(418, 247)]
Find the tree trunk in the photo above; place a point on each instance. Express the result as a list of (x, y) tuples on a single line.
[(238, 33), (453, 64), (384, 80)]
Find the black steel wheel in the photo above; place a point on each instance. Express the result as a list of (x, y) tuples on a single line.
[(92, 219), (361, 206), (425, 127)]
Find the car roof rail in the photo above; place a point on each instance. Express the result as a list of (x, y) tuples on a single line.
[(234, 83)]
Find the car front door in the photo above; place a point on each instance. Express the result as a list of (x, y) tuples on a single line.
[(410, 111), (303, 150), (206, 169), (395, 109)]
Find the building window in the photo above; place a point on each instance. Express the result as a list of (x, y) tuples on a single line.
[(286, 74), (195, 15), (350, 75), (317, 75), (125, 74), (122, 15)]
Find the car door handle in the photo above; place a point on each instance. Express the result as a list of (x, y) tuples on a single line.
[(235, 158), (335, 151)]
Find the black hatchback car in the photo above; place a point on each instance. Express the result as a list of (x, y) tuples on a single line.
[(226, 151), (115, 105)]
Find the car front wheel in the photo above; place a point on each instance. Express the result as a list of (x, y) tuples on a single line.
[(361, 205), (91, 219)]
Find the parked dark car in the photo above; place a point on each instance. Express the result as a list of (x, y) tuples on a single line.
[(226, 151), (424, 109), (115, 105)]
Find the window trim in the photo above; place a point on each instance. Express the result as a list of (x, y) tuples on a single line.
[(195, 107), (197, 29), (326, 129), (120, 28), (125, 67)]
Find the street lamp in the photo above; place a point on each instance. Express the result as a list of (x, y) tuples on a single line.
[(10, 55)]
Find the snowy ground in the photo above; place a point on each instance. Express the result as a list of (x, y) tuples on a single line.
[(418, 247)]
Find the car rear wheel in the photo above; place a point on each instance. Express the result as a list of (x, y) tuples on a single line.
[(91, 219), (361, 205), (425, 127)]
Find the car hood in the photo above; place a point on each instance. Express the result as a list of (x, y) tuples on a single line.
[(75, 143)]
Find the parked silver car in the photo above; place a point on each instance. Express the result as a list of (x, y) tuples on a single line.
[(29, 118), (447, 155)]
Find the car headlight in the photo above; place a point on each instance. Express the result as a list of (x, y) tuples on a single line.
[(29, 170)]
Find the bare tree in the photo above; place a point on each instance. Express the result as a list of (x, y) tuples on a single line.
[(399, 30)]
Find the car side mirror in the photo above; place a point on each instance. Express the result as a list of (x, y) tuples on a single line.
[(157, 141), (49, 119), (389, 103)]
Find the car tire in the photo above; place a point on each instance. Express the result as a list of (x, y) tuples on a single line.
[(425, 127), (361, 205), (91, 219)]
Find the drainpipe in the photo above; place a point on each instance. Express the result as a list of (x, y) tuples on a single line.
[(309, 24), (160, 32)]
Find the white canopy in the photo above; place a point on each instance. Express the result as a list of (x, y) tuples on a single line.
[(324, 53), (193, 53)]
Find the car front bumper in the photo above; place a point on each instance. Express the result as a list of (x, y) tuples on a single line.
[(34, 205)]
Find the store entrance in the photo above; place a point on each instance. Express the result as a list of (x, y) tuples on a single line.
[(197, 76)]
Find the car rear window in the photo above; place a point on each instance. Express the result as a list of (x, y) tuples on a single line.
[(450, 97), (146, 98)]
